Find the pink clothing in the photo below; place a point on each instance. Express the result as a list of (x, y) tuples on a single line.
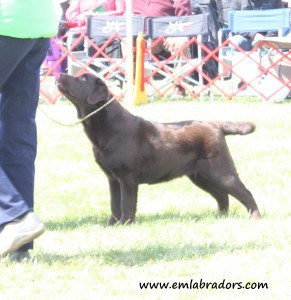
[(158, 8), (79, 10)]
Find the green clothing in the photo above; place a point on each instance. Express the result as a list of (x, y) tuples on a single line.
[(28, 18)]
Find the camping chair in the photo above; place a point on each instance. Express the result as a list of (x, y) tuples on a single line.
[(245, 66), (195, 29), (106, 59), (276, 66)]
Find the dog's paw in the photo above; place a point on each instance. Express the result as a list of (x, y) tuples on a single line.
[(255, 215)]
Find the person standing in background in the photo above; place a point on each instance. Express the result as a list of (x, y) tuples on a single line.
[(25, 29)]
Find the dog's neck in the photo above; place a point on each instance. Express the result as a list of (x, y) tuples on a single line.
[(111, 117), (90, 110)]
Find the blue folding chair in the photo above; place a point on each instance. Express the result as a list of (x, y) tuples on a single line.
[(259, 21), (240, 21)]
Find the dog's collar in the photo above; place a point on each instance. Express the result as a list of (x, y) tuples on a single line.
[(95, 111)]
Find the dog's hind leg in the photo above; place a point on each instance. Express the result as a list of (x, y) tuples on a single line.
[(220, 196), (238, 190), (115, 201), (221, 172)]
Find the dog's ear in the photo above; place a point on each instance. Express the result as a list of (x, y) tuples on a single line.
[(99, 93)]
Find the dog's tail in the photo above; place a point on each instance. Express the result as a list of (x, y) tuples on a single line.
[(242, 128)]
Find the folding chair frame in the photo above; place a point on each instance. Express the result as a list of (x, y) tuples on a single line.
[(195, 28)]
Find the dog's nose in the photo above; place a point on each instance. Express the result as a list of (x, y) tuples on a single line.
[(61, 80), (62, 75)]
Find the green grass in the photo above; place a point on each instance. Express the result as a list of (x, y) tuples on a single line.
[(178, 235)]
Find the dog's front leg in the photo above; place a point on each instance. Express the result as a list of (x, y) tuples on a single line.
[(115, 201), (129, 188)]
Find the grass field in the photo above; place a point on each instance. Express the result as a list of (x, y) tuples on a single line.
[(178, 235)]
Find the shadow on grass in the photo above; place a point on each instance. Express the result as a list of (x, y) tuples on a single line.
[(149, 254), (174, 216), (71, 223)]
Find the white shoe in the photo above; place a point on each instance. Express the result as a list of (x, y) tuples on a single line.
[(18, 233)]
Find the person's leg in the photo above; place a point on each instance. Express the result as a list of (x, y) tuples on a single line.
[(242, 42), (173, 45), (12, 204), (20, 63), (158, 48)]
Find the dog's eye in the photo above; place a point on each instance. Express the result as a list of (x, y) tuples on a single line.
[(84, 77)]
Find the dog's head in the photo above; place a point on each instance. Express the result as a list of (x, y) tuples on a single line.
[(85, 91)]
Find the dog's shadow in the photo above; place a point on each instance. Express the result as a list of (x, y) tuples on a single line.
[(73, 223), (149, 252)]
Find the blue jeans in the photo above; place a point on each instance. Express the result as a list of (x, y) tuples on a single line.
[(20, 61), (242, 42)]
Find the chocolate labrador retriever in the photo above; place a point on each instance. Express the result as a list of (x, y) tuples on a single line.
[(131, 150)]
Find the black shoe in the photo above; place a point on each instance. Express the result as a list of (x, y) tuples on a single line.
[(179, 92), (20, 256)]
